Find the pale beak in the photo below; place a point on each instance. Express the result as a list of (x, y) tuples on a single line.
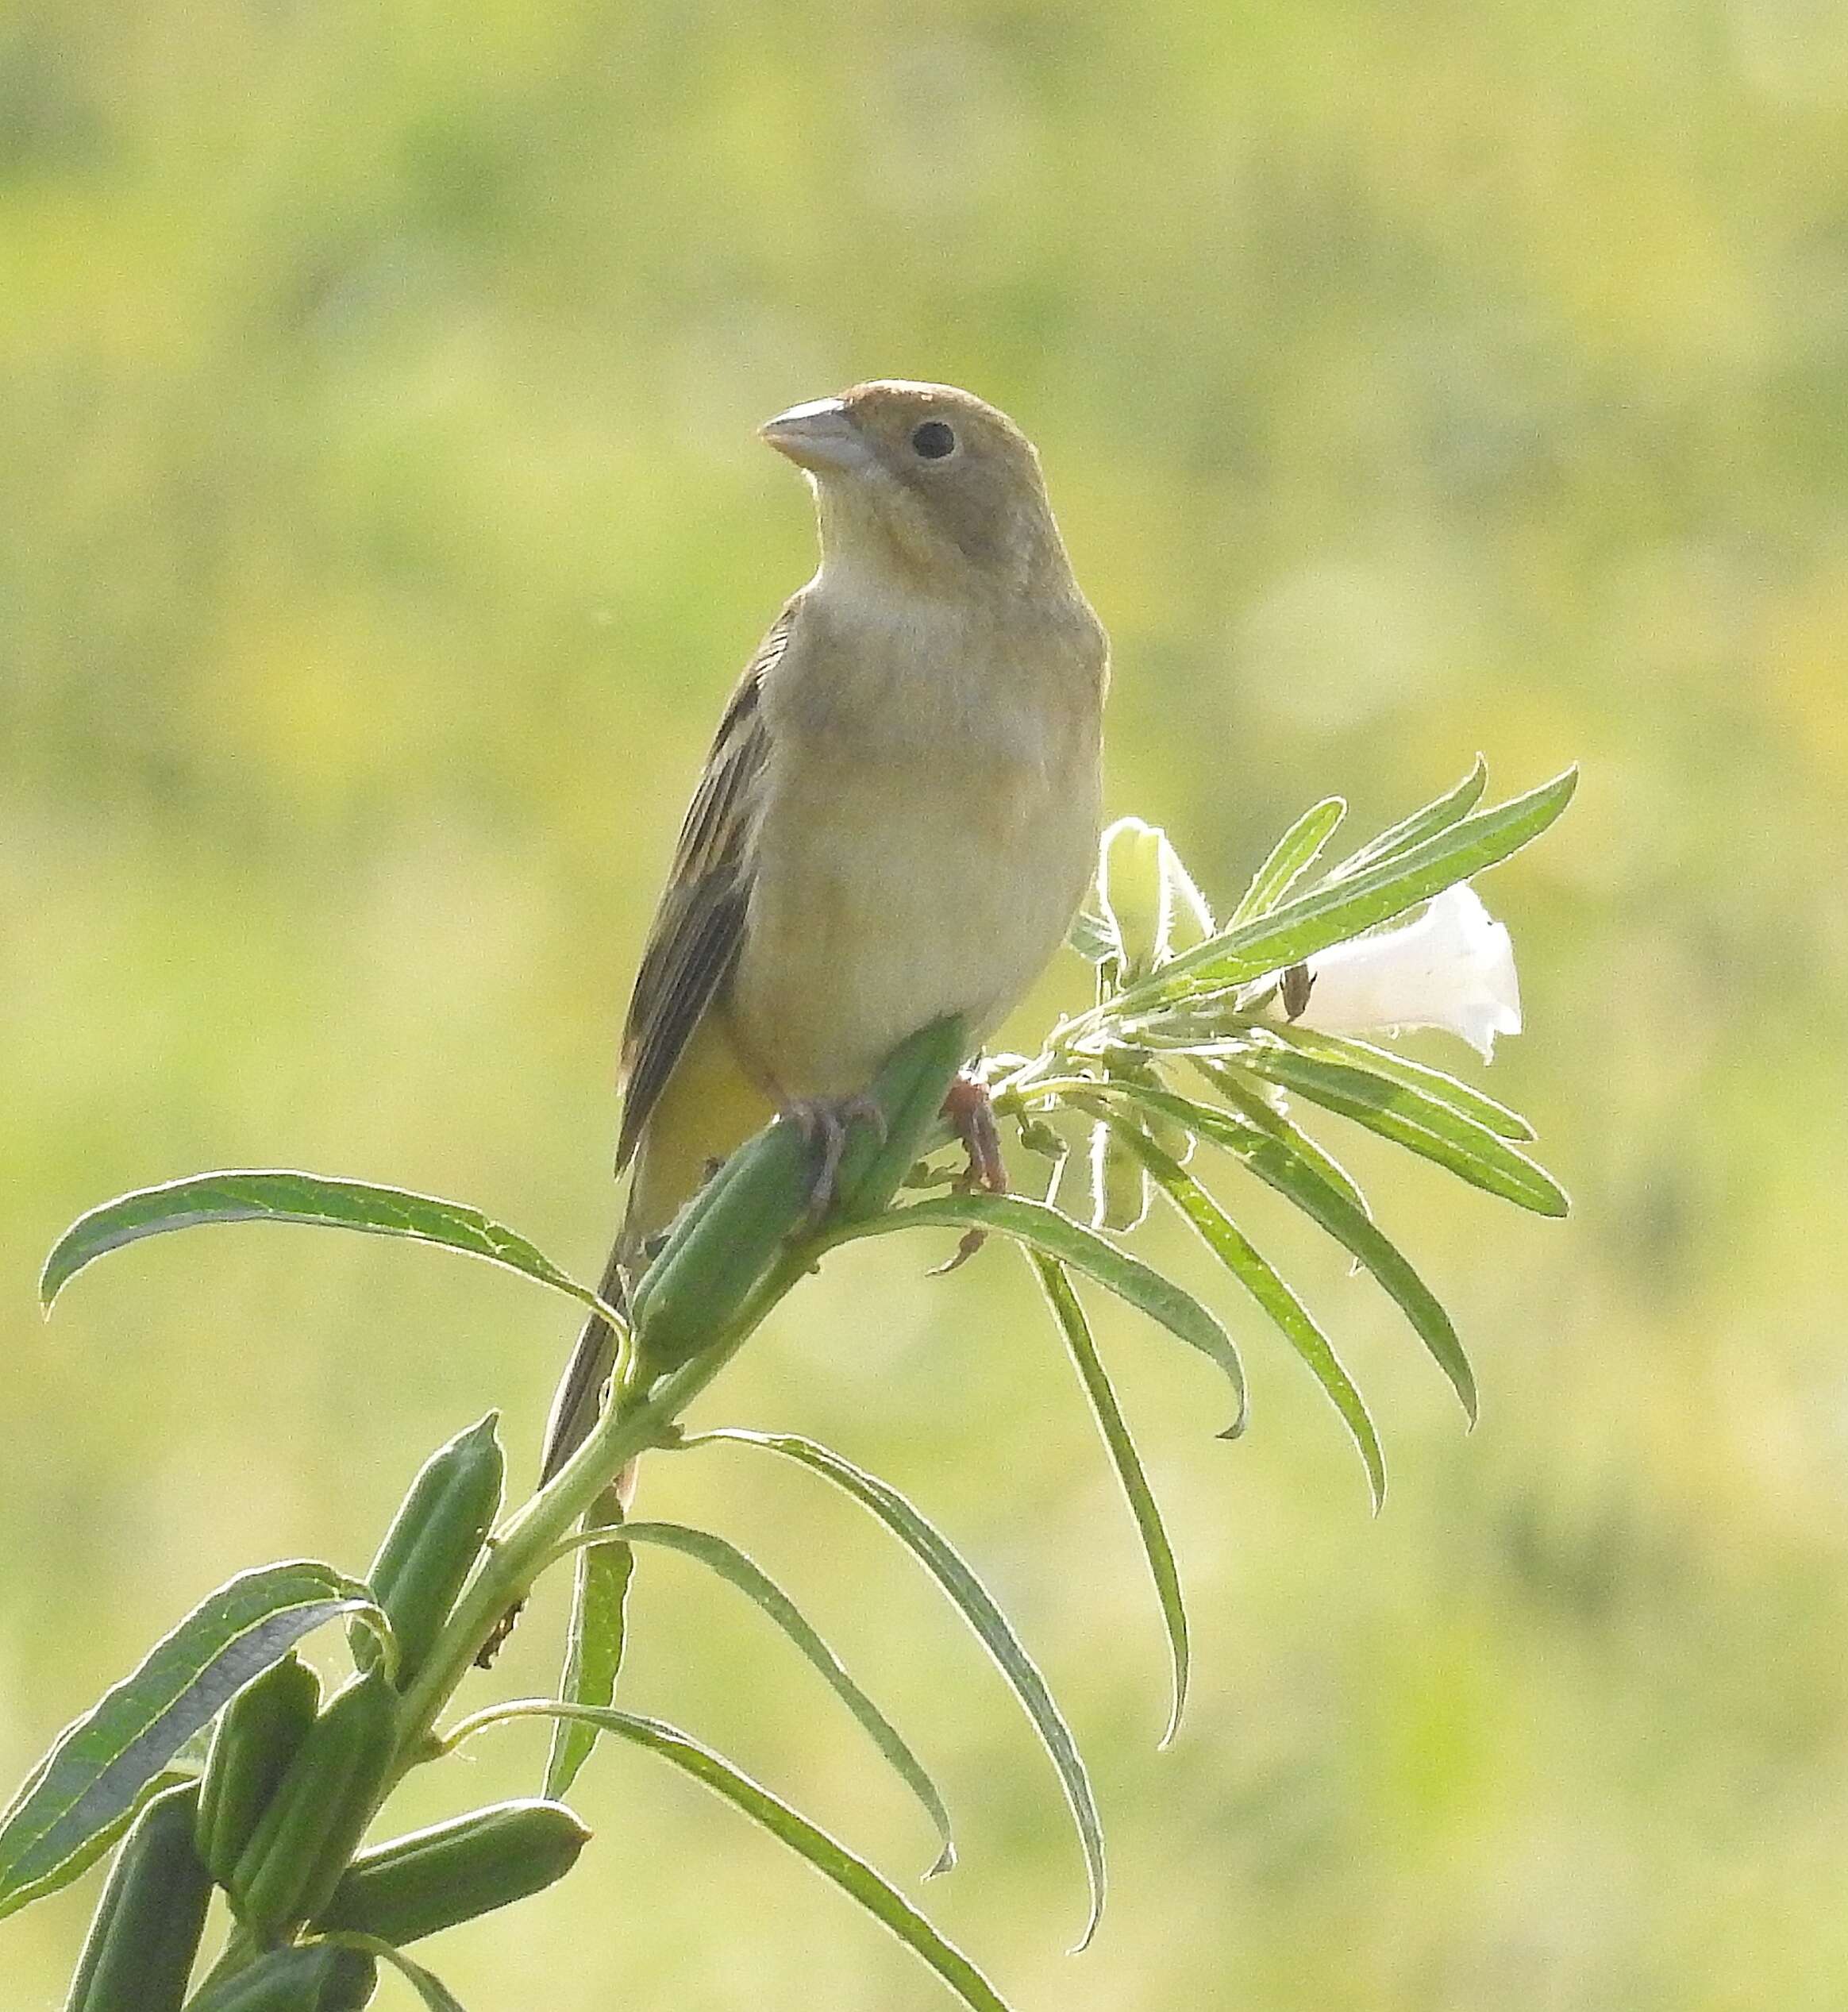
[(820, 437)]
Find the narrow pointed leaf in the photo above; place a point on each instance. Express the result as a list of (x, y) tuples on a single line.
[(827, 1855), (324, 1201), (1056, 1235), (719, 1555), (102, 1764), (593, 1647), (1257, 1110), (1069, 1316), (1260, 1279), (1436, 1083), (1336, 910), (436, 1994), (99, 1842), (1272, 1159), (976, 1606), (1438, 815), (1291, 857), (1377, 1254), (1093, 937), (1412, 1117)]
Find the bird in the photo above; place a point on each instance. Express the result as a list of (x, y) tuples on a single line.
[(897, 820)]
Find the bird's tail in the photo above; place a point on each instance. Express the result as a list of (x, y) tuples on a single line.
[(574, 1407), (709, 1108), (579, 1395)]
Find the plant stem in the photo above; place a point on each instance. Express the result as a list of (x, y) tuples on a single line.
[(523, 1546), (912, 1084), (242, 1949)]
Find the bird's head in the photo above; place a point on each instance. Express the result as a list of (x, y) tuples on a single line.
[(927, 482)]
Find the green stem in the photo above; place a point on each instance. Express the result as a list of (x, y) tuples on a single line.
[(242, 1949), (911, 1085), (1026, 1097), (524, 1545)]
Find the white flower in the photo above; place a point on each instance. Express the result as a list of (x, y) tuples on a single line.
[(1453, 969)]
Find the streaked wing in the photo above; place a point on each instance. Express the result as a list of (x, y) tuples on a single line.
[(699, 925)]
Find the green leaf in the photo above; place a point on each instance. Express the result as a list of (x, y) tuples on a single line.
[(333, 1970), (1436, 816), (594, 1644), (193, 1753), (102, 1840), (718, 1554), (1234, 1251), (1274, 1162), (324, 1201), (1339, 909), (972, 1601), (1258, 1110), (1056, 1235), (1093, 937), (1291, 857), (1069, 1315), (826, 1854), (436, 1994), (1411, 1117), (1436, 1083), (100, 1767)]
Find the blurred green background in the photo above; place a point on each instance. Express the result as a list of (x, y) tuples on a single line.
[(380, 528)]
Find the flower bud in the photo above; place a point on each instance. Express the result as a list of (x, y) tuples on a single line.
[(1130, 883), (1150, 895), (1190, 921)]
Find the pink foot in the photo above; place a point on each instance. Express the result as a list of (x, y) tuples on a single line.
[(972, 1117)]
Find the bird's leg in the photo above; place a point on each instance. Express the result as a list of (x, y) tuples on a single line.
[(972, 1117), (826, 1122)]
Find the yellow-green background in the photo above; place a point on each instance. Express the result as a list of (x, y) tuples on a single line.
[(380, 528)]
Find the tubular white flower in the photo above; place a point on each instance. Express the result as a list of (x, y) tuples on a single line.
[(1453, 969)]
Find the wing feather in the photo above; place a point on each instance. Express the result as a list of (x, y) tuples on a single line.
[(694, 942)]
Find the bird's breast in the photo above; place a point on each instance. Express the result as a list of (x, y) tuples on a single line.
[(894, 883)]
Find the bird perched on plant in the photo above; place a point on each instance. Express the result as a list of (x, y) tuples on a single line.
[(896, 822)]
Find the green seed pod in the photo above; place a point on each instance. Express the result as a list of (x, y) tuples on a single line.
[(721, 1246), (319, 1811), (146, 1928), (726, 1239), (317, 1977), (258, 1735), (1132, 886), (432, 1878), (909, 1090), (432, 1546), (1119, 1186)]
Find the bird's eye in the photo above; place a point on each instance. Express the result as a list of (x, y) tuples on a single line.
[(934, 440)]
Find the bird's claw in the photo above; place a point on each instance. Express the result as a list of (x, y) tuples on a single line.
[(971, 1112), (827, 1123)]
